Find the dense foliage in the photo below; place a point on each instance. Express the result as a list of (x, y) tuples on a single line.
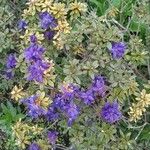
[(75, 74)]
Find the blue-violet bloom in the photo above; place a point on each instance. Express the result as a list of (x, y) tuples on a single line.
[(52, 137), (49, 35), (110, 112), (87, 97), (33, 107), (34, 146), (11, 61), (33, 38), (36, 71), (47, 20), (118, 50), (34, 52), (98, 86), (22, 25)]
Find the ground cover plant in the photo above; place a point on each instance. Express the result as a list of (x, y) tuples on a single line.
[(75, 75)]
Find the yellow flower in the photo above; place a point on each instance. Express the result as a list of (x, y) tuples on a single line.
[(42, 100), (63, 26), (22, 141), (137, 110), (23, 133), (44, 144), (133, 87), (78, 49), (144, 99), (113, 12), (49, 76), (58, 10), (17, 93), (59, 42), (36, 130), (77, 8), (46, 5), (35, 5), (26, 13)]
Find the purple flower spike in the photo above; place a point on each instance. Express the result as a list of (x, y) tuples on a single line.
[(33, 108), (52, 114), (49, 35), (33, 38), (88, 97), (47, 20), (34, 52), (9, 74), (110, 112), (36, 71), (118, 50), (98, 86), (22, 25), (11, 61), (72, 112), (34, 146), (52, 137)]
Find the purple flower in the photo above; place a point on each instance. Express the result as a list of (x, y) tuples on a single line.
[(118, 50), (33, 38), (98, 86), (69, 91), (34, 52), (72, 112), (9, 74), (47, 20), (34, 146), (11, 61), (36, 71), (22, 25), (52, 137), (49, 35), (59, 101), (33, 108), (52, 114), (110, 112), (87, 97)]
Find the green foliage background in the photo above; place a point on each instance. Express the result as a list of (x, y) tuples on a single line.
[(134, 21)]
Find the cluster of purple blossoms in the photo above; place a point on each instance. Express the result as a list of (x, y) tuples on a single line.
[(34, 52), (52, 137), (72, 112), (49, 34), (118, 50), (34, 55), (48, 23), (47, 20), (34, 146), (22, 25), (10, 65), (98, 88), (110, 112), (87, 96), (33, 107), (36, 71), (64, 103)]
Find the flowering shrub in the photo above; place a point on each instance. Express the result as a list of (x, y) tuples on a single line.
[(80, 77)]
